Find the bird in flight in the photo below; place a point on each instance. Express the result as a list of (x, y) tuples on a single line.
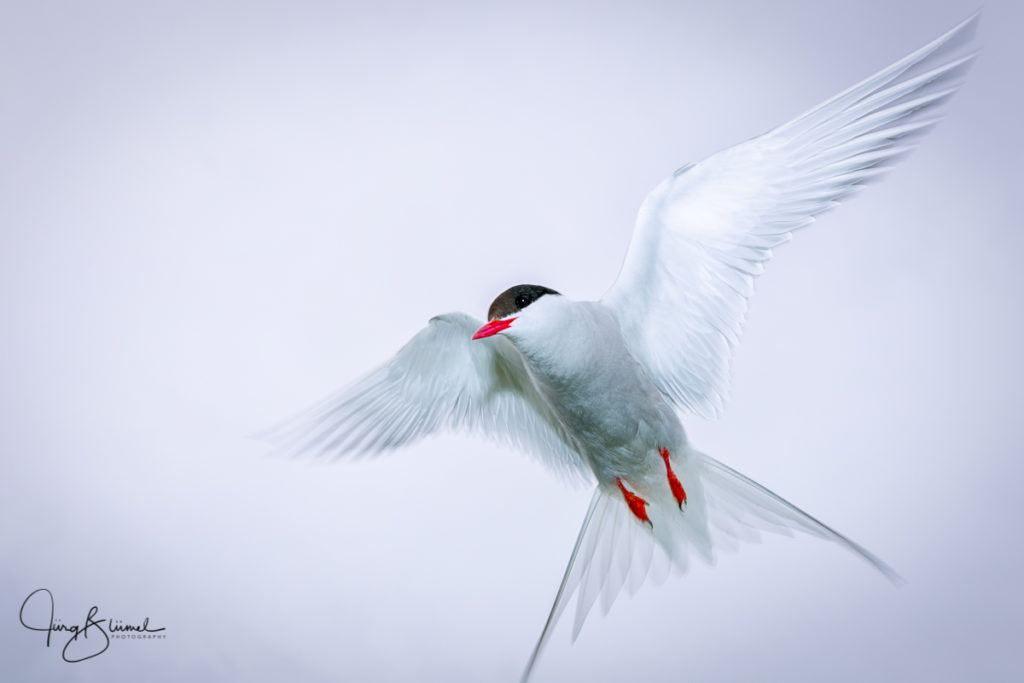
[(596, 388)]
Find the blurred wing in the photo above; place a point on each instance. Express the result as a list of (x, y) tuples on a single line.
[(441, 379), (705, 233)]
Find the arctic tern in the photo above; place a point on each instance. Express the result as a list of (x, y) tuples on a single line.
[(597, 387)]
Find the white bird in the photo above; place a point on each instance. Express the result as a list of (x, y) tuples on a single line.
[(596, 388)]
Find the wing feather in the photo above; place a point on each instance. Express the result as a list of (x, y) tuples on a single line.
[(705, 233), (440, 380)]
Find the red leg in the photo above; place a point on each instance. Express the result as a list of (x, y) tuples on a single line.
[(678, 492), (637, 505)]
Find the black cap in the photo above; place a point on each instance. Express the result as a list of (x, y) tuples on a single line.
[(515, 299)]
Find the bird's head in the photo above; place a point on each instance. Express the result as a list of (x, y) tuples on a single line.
[(517, 303)]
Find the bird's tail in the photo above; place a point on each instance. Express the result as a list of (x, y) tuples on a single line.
[(615, 550)]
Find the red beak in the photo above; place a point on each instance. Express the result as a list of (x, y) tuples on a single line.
[(493, 327)]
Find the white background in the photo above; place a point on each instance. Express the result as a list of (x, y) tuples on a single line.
[(212, 216)]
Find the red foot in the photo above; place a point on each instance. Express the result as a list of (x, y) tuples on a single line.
[(678, 492), (637, 505)]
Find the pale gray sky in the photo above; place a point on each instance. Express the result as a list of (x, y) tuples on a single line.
[(211, 217)]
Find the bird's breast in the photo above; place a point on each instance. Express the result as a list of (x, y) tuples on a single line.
[(604, 398)]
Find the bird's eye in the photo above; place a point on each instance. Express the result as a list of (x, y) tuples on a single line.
[(522, 301)]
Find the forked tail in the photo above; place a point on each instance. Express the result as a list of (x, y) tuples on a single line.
[(615, 550)]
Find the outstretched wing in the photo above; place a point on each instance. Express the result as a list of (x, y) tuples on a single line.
[(441, 379), (705, 233)]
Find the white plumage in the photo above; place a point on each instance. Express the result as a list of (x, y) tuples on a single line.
[(706, 231), (595, 388)]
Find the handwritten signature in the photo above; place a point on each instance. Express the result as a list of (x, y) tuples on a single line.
[(101, 643)]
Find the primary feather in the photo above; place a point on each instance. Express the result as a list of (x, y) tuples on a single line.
[(704, 234), (440, 380)]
